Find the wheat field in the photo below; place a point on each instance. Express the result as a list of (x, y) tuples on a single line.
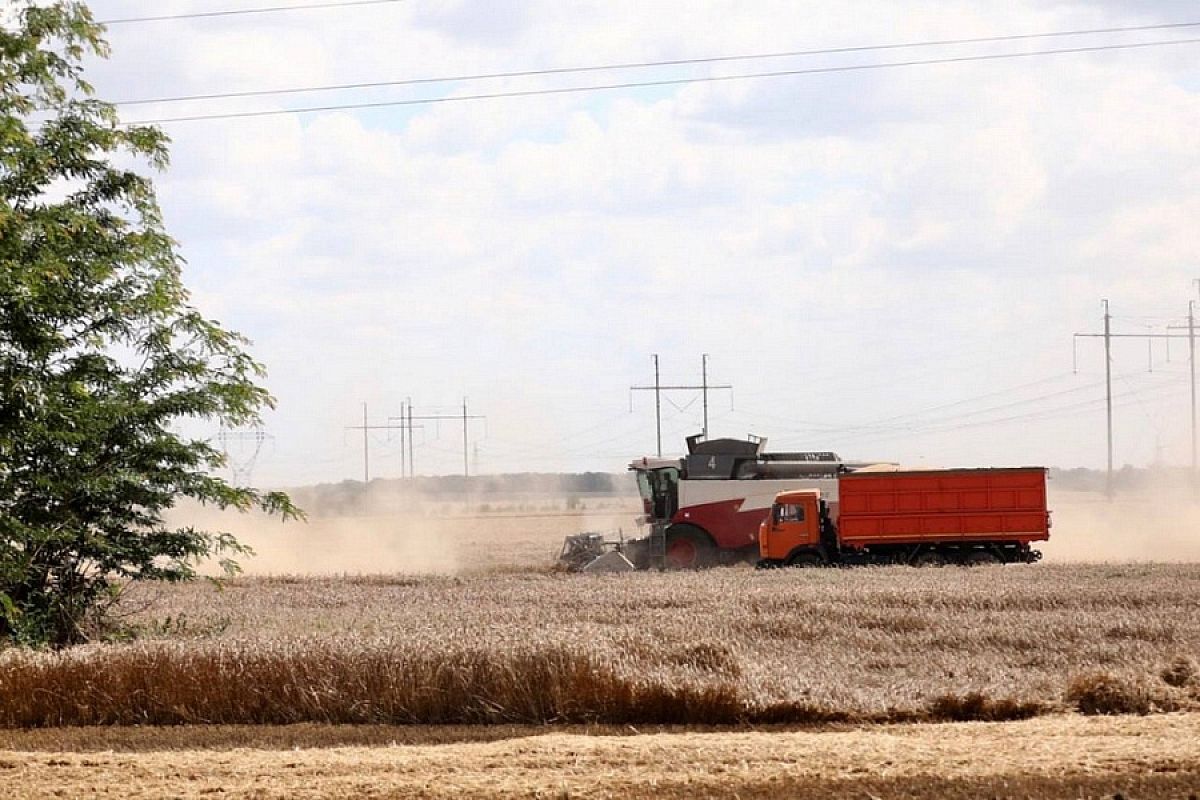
[(731, 645), (836, 652), (473, 668)]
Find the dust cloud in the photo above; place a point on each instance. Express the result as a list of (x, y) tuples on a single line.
[(429, 541), (1148, 524), (337, 545), (1144, 525)]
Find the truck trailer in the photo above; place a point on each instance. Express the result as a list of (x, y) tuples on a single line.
[(924, 518)]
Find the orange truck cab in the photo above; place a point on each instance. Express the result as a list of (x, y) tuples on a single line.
[(792, 532)]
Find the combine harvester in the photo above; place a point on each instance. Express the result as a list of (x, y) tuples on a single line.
[(925, 518), (705, 508), (729, 500)]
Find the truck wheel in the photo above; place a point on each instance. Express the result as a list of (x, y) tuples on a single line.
[(805, 560), (689, 547), (981, 558), (930, 558)]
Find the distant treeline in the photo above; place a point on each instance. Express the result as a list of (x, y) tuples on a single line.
[(522, 490), (1127, 478), (533, 491)]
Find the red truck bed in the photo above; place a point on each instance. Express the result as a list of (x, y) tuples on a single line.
[(943, 506)]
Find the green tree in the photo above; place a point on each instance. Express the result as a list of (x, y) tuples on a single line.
[(103, 360)]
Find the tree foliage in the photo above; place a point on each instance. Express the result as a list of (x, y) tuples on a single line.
[(102, 357)]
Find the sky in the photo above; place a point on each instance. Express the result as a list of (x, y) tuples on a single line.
[(887, 263)]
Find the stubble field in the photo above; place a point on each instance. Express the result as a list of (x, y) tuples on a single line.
[(1062, 756)]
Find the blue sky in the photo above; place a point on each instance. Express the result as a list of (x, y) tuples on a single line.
[(887, 263)]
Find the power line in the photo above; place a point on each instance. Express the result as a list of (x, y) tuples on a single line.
[(919, 422), (666, 82), (1058, 411), (926, 411), (648, 64), (1168, 388), (1055, 412), (464, 417), (240, 11)]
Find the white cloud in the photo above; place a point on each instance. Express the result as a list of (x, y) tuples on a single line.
[(847, 247)]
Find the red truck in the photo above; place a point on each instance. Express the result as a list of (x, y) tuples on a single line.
[(928, 517)]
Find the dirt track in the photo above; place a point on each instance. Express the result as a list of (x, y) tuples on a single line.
[(1157, 756)]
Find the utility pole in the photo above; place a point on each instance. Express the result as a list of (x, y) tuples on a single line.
[(1108, 336), (1108, 483), (407, 436), (366, 427), (466, 469), (1192, 362), (464, 417), (402, 453), (1191, 337), (657, 406), (412, 469), (658, 388)]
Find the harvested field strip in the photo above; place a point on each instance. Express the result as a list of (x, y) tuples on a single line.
[(1060, 756)]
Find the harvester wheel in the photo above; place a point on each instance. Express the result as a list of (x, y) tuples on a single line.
[(689, 547), (981, 558)]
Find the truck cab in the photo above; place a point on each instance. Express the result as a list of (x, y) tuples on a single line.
[(796, 530)]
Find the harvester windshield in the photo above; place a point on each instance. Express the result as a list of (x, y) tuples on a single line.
[(659, 487)]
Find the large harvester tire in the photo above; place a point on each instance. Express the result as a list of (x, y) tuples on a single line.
[(688, 547)]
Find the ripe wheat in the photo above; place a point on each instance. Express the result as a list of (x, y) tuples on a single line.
[(724, 646)]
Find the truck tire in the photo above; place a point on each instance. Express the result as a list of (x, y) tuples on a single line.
[(982, 558), (688, 547), (806, 558), (929, 558)]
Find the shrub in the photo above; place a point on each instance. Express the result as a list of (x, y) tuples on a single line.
[(1106, 693), (978, 707)]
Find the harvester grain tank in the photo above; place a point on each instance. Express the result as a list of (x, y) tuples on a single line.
[(927, 517)]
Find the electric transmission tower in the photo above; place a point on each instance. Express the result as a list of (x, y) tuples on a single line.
[(241, 449)]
